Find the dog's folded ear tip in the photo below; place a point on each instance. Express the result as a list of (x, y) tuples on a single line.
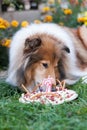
[(32, 43), (65, 48)]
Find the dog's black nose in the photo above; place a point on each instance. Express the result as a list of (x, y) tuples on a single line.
[(53, 89), (41, 89)]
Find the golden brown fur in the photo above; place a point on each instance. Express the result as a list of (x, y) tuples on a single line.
[(44, 54)]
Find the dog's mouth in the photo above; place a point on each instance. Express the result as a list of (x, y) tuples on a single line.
[(39, 88), (42, 88)]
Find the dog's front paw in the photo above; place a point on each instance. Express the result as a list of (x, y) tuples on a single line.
[(84, 79)]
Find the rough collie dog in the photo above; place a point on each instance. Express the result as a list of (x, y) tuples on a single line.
[(46, 49)]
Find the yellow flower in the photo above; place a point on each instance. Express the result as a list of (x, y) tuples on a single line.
[(24, 24), (6, 42), (45, 9), (80, 19), (6, 23), (48, 18), (1, 20), (2, 27), (85, 23), (85, 18), (67, 11), (14, 23), (37, 21)]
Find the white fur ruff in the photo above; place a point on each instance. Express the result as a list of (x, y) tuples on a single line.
[(17, 45)]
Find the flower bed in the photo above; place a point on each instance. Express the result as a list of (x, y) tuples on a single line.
[(7, 30), (72, 14)]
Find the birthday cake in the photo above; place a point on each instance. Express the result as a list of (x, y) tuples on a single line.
[(52, 96)]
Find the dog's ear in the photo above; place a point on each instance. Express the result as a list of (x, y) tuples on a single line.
[(20, 76), (32, 44), (65, 48), (24, 75)]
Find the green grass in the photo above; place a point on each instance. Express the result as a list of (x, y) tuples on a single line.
[(18, 116)]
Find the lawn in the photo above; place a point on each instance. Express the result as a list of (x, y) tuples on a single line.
[(18, 116)]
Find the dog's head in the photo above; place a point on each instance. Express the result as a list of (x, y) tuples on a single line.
[(42, 57)]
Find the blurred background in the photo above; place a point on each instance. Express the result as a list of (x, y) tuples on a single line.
[(16, 14)]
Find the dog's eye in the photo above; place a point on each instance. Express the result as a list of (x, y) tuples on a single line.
[(45, 65)]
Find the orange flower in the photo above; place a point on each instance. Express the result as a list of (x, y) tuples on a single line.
[(24, 24), (67, 11), (2, 27), (1, 20), (6, 42), (48, 18), (80, 19), (45, 9), (6, 23), (14, 23)]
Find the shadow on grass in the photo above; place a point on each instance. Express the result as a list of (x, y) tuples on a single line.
[(7, 90)]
